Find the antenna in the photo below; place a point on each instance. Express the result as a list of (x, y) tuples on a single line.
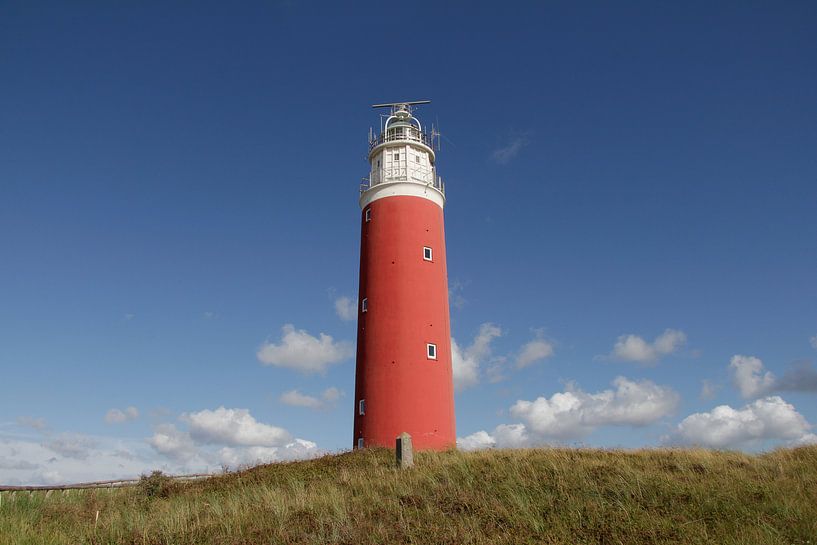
[(406, 103)]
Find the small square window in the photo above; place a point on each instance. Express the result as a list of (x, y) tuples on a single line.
[(427, 253), (416, 158), (361, 407), (431, 351), (396, 156), (364, 304), (368, 214), (359, 442), (378, 163)]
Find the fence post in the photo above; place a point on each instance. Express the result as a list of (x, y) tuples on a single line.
[(404, 452)]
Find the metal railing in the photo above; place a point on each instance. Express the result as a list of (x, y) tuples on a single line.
[(404, 171), (406, 135), (432, 180)]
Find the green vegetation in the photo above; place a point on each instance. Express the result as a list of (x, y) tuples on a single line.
[(499, 496)]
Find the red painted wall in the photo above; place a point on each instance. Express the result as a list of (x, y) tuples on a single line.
[(407, 308)]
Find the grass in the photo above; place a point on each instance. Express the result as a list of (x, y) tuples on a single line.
[(575, 496)]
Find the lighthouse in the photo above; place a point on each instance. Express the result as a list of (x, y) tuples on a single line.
[(403, 377)]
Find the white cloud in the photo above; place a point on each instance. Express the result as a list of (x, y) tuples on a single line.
[(301, 351), (71, 445), (24, 461), (511, 436), (509, 151), (116, 416), (466, 363), (747, 373), (533, 351), (504, 436), (233, 427), (574, 413), (294, 450), (173, 443), (298, 449), (813, 342), (38, 424), (807, 439), (669, 341), (70, 457), (295, 398), (763, 419), (230, 437), (346, 308), (466, 372), (751, 380), (636, 349), (476, 441), (236, 457)]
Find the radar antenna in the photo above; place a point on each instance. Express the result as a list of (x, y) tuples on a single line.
[(405, 103), (401, 106)]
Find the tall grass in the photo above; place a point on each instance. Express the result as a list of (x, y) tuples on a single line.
[(497, 496)]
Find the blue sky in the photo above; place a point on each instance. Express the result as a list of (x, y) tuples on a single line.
[(630, 224)]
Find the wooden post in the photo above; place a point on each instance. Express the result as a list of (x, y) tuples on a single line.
[(404, 453)]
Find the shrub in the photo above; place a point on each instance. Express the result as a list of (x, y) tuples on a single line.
[(155, 485)]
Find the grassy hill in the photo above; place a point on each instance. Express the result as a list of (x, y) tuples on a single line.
[(500, 496)]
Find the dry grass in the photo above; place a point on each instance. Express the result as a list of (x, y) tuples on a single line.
[(521, 496)]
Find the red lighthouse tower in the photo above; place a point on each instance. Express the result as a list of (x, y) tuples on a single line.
[(403, 380)]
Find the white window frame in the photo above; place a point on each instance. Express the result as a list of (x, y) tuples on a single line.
[(359, 442), (364, 304), (431, 347), (361, 407), (427, 250), (368, 215)]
